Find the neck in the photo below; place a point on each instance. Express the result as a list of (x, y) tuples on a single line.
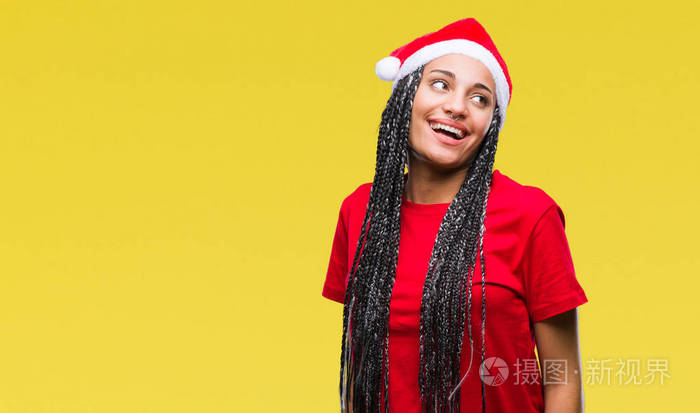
[(427, 185)]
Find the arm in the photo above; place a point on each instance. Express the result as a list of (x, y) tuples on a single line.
[(557, 339)]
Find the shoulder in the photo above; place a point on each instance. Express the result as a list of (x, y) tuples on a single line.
[(531, 201), (357, 199)]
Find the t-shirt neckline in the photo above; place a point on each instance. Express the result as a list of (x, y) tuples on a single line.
[(423, 209), (428, 209)]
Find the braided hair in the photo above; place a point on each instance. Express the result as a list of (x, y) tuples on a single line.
[(448, 283)]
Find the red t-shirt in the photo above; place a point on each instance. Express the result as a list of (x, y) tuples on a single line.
[(530, 277)]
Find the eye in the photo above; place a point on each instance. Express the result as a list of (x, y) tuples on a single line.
[(439, 81), (484, 99)]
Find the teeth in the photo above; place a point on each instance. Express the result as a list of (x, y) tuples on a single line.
[(456, 131)]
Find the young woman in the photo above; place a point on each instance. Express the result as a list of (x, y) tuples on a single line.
[(452, 255)]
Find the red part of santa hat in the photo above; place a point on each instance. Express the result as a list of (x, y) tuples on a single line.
[(467, 37)]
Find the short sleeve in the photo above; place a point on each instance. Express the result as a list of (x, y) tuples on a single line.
[(334, 285), (551, 286)]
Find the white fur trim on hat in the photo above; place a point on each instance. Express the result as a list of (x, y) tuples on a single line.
[(387, 68), (465, 47)]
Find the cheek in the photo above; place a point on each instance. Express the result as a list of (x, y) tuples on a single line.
[(422, 102), (420, 109), (413, 131), (484, 121), (415, 125)]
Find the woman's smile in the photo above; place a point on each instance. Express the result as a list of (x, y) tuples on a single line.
[(447, 131)]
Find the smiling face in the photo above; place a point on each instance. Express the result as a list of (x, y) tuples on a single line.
[(456, 96)]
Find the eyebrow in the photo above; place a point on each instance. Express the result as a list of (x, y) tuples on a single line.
[(452, 76)]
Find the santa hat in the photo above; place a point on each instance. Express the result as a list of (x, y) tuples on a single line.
[(467, 37)]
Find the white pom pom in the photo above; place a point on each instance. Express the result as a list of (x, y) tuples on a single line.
[(387, 68)]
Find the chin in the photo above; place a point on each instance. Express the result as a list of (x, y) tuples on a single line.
[(446, 163), (438, 156), (446, 159)]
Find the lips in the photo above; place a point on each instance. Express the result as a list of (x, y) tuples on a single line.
[(446, 138), (450, 122)]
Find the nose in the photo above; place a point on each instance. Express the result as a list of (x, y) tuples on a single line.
[(455, 106)]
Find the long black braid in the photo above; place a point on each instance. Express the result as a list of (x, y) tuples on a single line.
[(448, 283)]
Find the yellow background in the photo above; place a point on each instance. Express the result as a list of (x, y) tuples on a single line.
[(171, 174)]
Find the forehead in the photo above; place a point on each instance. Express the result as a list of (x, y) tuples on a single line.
[(464, 67)]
